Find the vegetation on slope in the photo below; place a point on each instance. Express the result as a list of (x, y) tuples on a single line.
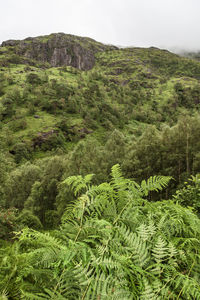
[(81, 115)]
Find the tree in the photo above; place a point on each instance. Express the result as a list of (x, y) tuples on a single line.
[(44, 191), (190, 193), (19, 184), (6, 165), (144, 156), (114, 150), (87, 157)]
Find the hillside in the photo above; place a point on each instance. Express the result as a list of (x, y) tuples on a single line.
[(191, 54), (57, 90), (75, 115), (61, 93), (94, 89)]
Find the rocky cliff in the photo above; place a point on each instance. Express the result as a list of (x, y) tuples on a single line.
[(59, 50)]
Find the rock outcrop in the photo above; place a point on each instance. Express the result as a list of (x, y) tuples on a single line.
[(59, 50)]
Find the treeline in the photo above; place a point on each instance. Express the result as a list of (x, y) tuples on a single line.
[(34, 187)]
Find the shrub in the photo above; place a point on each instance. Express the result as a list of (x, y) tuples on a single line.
[(51, 219), (26, 218), (8, 108), (33, 78), (21, 152), (114, 244), (17, 125), (7, 222)]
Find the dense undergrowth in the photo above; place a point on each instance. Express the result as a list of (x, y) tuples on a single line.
[(112, 244), (120, 240)]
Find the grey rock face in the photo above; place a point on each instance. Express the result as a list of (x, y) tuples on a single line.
[(60, 50), (10, 43)]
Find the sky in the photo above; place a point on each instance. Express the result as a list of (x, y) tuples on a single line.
[(170, 24)]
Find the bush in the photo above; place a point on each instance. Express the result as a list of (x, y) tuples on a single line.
[(33, 78), (21, 151), (190, 193), (51, 219), (7, 222), (15, 59), (17, 125), (26, 218), (53, 141), (8, 108)]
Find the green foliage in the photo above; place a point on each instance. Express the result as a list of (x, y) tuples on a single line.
[(169, 151), (52, 219), (6, 165), (17, 125), (2, 84), (8, 109), (112, 244), (15, 59), (79, 183), (21, 151), (83, 161), (8, 223), (136, 107), (42, 197), (27, 219), (19, 184), (190, 193), (33, 78)]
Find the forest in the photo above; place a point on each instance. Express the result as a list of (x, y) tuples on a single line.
[(99, 171)]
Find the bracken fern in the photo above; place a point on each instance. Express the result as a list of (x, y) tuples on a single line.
[(112, 244)]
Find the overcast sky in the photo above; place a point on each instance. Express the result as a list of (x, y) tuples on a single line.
[(160, 23)]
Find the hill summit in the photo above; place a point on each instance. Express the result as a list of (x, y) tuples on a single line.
[(59, 49)]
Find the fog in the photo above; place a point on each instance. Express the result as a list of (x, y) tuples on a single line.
[(171, 24)]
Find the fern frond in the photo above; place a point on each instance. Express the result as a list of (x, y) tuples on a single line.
[(187, 287), (154, 183), (4, 295), (148, 292), (160, 250), (78, 183), (112, 244), (146, 231), (116, 172), (137, 245)]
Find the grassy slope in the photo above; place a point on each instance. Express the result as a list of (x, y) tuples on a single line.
[(151, 72)]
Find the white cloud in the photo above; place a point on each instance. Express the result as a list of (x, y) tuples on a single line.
[(166, 23)]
